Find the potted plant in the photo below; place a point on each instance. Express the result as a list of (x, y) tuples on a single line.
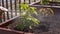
[(27, 22)]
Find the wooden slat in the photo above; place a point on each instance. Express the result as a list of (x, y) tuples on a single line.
[(24, 1), (15, 8), (3, 3), (29, 1), (11, 8), (34, 0)]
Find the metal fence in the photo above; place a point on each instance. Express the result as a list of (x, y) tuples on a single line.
[(13, 7)]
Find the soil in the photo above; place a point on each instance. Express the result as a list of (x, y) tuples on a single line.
[(37, 29)]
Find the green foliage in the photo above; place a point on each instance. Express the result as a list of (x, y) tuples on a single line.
[(25, 17), (46, 11), (24, 6), (44, 2)]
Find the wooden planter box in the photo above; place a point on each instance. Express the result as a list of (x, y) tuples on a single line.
[(5, 30), (9, 31)]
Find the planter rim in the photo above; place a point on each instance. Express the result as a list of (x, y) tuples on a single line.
[(8, 20), (45, 6), (11, 30), (5, 29)]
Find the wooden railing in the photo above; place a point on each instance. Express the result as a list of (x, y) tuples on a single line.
[(13, 7)]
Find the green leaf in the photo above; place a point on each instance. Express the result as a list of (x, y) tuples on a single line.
[(36, 21), (33, 10), (23, 13), (20, 26), (24, 6)]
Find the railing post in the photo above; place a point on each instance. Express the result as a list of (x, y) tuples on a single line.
[(11, 8), (34, 0), (15, 8), (19, 6), (7, 8), (24, 1), (3, 3), (0, 2), (29, 1)]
